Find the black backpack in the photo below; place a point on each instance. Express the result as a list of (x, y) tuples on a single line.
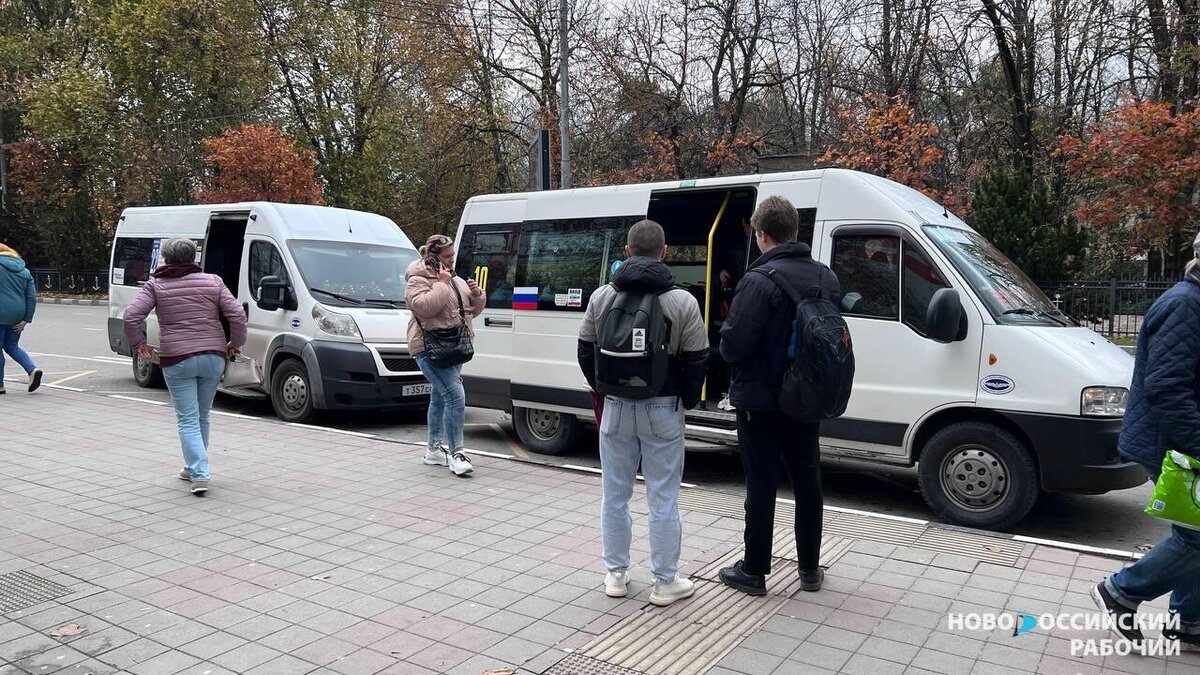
[(632, 360), (820, 370)]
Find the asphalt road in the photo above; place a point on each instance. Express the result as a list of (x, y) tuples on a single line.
[(70, 344)]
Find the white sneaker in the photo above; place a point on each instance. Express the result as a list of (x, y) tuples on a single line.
[(666, 592), (460, 465), (436, 456), (616, 584)]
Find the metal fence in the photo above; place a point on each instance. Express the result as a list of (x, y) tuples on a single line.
[(71, 283), (1110, 307)]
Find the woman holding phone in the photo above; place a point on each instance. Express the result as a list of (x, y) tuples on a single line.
[(439, 300)]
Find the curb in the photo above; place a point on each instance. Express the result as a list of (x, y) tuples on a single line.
[(87, 302), (574, 468)]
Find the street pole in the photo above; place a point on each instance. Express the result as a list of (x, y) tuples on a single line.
[(3, 167), (564, 107)]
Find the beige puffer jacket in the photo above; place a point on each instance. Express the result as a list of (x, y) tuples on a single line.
[(434, 303)]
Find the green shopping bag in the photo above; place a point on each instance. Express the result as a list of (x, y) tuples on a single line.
[(1176, 495)]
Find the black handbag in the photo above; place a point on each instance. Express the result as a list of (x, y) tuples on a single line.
[(446, 347)]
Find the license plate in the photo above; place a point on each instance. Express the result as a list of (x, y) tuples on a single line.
[(416, 389)]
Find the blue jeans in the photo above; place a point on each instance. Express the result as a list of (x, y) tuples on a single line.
[(649, 432), (447, 404), (8, 342), (1173, 566), (193, 385)]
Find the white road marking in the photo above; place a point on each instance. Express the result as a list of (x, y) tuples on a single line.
[(97, 359)]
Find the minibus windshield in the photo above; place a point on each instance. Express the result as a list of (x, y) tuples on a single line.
[(346, 273), (1008, 293)]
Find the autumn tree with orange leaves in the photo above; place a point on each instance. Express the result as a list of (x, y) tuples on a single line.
[(258, 162), (1137, 173), (887, 140)]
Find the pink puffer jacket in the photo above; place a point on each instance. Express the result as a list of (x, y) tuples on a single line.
[(434, 304), (189, 310)]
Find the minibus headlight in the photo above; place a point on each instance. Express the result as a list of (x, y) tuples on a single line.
[(333, 323), (1104, 402)]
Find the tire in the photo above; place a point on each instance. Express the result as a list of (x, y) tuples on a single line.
[(147, 375), (546, 432), (291, 392), (978, 475)]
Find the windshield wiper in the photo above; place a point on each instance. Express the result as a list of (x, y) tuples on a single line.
[(1029, 311), (399, 304), (339, 296)]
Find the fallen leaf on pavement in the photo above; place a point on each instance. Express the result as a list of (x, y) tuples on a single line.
[(1145, 547), (68, 630)]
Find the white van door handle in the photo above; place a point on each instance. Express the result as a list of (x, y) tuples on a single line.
[(499, 323)]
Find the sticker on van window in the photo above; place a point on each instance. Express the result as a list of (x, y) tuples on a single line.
[(525, 297), (295, 322), (574, 297), (997, 384), (118, 276)]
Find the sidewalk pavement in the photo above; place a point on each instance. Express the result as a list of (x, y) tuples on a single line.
[(323, 551)]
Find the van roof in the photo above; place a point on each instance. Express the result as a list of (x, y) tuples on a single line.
[(887, 198)]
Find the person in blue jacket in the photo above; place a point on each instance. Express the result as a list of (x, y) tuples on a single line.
[(18, 298), (1163, 413)]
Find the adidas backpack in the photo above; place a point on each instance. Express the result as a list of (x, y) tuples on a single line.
[(632, 360), (820, 369)]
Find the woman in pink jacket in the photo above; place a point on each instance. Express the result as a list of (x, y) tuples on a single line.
[(432, 295), (193, 349)]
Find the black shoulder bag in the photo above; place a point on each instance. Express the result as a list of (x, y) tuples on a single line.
[(446, 347)]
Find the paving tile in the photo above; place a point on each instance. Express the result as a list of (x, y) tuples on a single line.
[(889, 650), (362, 662), (440, 657), (941, 662), (283, 665), (165, 663), (861, 664), (821, 656), (743, 660)]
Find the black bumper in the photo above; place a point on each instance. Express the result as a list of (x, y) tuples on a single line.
[(345, 377), (1078, 454)]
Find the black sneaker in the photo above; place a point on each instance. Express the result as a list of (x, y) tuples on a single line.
[(35, 379), (736, 577), (810, 580), (1124, 619), (1188, 642)]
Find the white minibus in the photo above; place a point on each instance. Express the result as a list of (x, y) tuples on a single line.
[(323, 290), (964, 367)]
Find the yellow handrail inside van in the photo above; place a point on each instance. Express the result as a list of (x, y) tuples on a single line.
[(708, 281)]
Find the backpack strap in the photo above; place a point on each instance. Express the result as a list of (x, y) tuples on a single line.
[(784, 285)]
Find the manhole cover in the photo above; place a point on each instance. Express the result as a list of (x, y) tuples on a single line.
[(19, 590), (578, 664)]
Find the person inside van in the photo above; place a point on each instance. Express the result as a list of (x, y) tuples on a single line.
[(647, 430), (192, 350), (1163, 414), (755, 341), (439, 300)]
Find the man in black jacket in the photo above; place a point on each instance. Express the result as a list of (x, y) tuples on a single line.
[(755, 340), (647, 431)]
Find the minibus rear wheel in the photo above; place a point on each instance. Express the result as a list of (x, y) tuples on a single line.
[(147, 375), (546, 432), (291, 392), (979, 475)]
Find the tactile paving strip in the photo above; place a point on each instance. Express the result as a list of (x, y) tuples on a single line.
[(19, 590), (578, 664)]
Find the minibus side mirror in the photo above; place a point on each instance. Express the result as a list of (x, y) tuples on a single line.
[(945, 320), (274, 293)]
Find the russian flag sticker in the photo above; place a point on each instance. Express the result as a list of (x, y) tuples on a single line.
[(525, 297)]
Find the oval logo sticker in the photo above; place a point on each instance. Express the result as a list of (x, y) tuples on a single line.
[(997, 384), (295, 322)]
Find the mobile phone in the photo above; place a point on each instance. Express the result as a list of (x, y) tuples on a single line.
[(433, 263)]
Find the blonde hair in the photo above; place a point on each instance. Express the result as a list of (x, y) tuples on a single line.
[(5, 248), (435, 243)]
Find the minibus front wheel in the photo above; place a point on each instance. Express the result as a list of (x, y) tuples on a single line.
[(546, 432), (978, 475), (291, 392)]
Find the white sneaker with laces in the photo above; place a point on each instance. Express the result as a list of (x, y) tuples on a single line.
[(616, 583), (436, 456), (459, 464), (667, 592)]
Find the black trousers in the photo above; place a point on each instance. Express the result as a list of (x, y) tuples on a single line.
[(766, 438)]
